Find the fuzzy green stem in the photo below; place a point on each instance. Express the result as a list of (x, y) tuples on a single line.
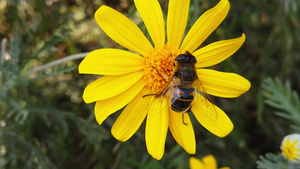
[(57, 62)]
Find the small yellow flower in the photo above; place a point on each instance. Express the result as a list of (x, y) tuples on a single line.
[(290, 147), (208, 162), (130, 75)]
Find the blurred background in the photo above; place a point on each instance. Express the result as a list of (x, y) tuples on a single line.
[(45, 124)]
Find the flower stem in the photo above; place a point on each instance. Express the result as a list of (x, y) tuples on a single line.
[(57, 62)]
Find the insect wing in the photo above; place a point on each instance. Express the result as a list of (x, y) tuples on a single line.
[(204, 103), (162, 101), (158, 105)]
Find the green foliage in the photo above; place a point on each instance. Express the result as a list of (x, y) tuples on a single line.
[(32, 157), (272, 161), (35, 123), (282, 97), (44, 122)]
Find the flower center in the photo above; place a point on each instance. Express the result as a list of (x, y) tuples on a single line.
[(290, 151), (159, 68)]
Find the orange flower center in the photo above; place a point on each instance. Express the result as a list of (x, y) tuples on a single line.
[(159, 68)]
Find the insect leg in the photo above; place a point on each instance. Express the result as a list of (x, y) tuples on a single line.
[(183, 119), (173, 60), (160, 72), (166, 87), (149, 95)]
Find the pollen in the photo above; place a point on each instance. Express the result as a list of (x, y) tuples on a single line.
[(159, 67)]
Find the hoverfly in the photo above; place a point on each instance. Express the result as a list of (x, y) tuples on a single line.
[(184, 85)]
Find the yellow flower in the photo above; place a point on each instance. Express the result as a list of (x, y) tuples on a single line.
[(129, 75), (208, 162), (290, 147)]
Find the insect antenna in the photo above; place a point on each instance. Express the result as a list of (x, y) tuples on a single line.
[(187, 52)]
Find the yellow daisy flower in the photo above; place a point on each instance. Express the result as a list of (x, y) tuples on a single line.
[(208, 162), (130, 75), (290, 147)]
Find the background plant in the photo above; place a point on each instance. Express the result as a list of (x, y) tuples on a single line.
[(280, 96), (45, 124)]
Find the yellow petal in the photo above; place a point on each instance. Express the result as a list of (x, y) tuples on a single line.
[(176, 22), (225, 168), (221, 84), (111, 62), (132, 116), (221, 126), (110, 86), (204, 26), (196, 164), (157, 128), (104, 108), (122, 30), (182, 133), (152, 16), (215, 53), (209, 162)]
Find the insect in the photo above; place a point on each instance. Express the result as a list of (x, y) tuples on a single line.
[(184, 85)]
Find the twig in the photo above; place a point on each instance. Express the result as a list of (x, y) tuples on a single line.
[(2, 57), (3, 46), (57, 62)]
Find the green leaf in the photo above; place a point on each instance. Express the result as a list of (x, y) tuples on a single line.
[(273, 161), (280, 96)]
